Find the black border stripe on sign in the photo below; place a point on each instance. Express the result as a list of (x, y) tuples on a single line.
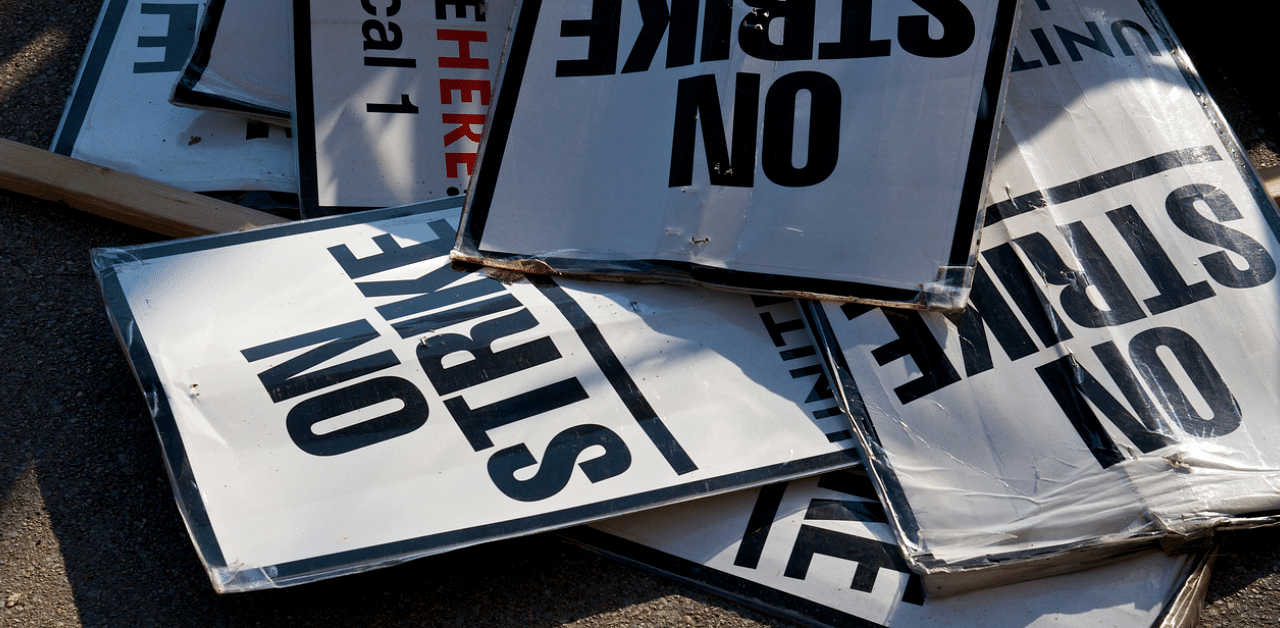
[(501, 111), (1099, 182), (185, 489), (304, 114), (986, 128), (781, 603), (882, 475), (90, 73), (304, 120), (194, 69), (361, 559), (617, 375), (186, 89)]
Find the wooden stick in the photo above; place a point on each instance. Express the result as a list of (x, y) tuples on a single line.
[(119, 196)]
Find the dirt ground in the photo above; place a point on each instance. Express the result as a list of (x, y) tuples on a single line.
[(89, 532)]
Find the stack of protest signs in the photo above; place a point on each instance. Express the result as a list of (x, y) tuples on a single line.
[(860, 313)]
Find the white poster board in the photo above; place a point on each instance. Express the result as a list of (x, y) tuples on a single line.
[(332, 396), (119, 115), (832, 149), (391, 98), (247, 72), (1112, 379), (820, 552)]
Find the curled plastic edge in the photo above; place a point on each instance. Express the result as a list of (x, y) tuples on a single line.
[(105, 260), (1184, 610), (238, 578)]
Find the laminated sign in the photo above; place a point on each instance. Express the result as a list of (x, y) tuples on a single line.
[(1112, 379), (119, 115), (248, 72), (391, 98), (818, 551), (331, 395), (831, 149)]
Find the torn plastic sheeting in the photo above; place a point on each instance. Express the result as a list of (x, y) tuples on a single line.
[(1111, 381), (249, 74), (119, 115), (332, 396), (606, 159), (391, 101), (819, 551)]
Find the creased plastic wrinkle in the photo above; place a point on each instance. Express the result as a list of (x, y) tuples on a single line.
[(1071, 511), (153, 402), (241, 578), (106, 259), (951, 290), (904, 467)]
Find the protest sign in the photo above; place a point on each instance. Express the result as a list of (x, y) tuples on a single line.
[(331, 395), (1111, 380), (810, 149)]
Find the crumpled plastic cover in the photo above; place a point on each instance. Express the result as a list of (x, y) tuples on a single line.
[(1111, 382)]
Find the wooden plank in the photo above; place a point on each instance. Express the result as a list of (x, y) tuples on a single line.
[(119, 196)]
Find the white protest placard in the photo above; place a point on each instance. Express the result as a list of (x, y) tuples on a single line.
[(119, 115), (391, 98), (332, 396), (833, 149), (819, 551), (247, 72), (1112, 378)]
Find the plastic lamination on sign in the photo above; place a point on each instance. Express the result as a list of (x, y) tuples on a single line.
[(332, 396)]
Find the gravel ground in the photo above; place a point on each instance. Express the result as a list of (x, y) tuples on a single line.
[(90, 535)]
